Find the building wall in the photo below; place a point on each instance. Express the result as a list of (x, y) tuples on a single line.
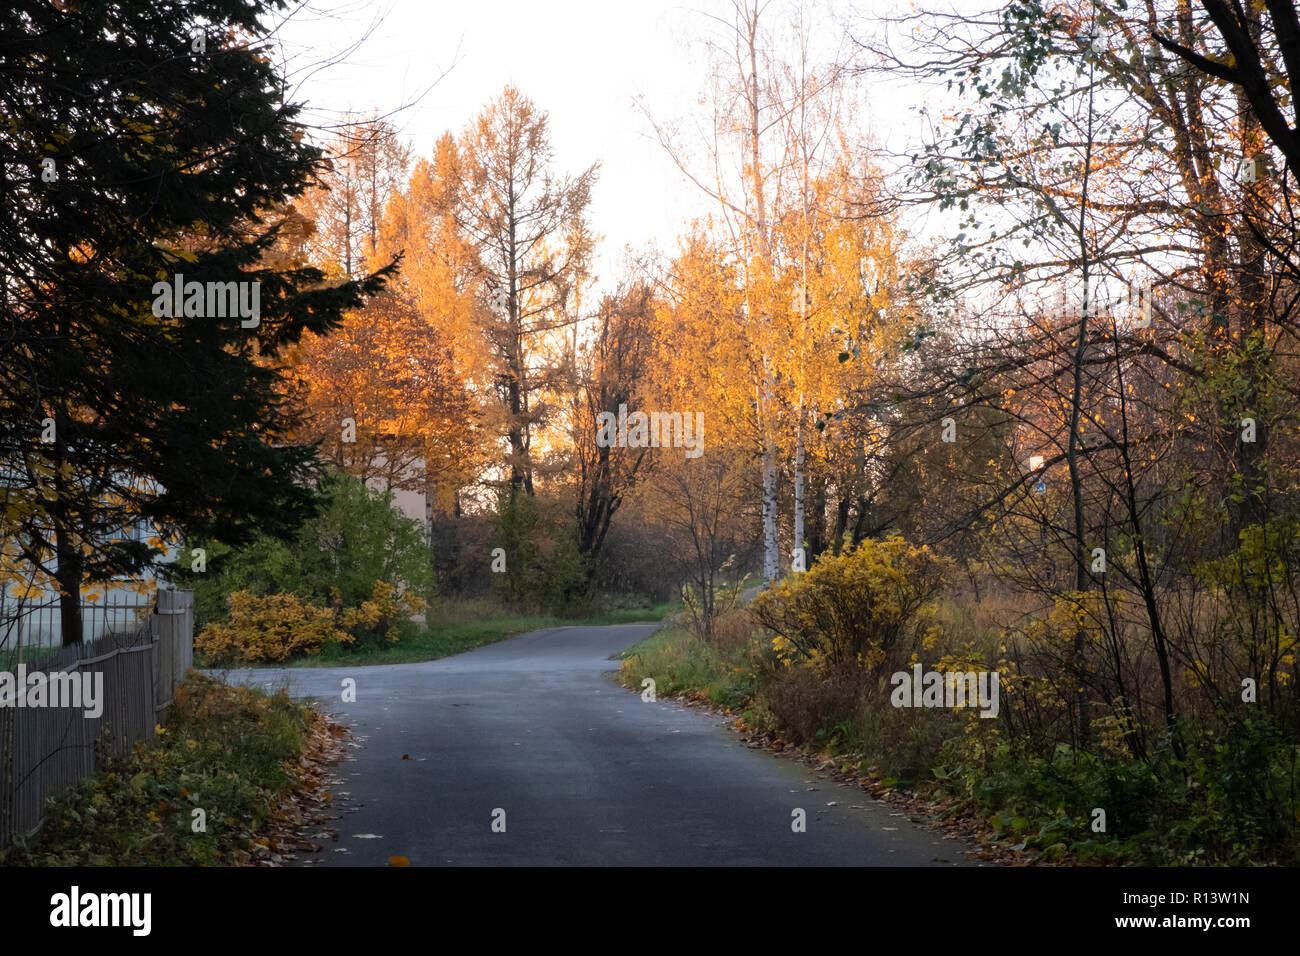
[(34, 620)]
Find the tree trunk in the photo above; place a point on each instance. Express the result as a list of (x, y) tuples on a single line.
[(771, 554), (771, 550), (841, 523), (799, 542), (1072, 452), (69, 578)]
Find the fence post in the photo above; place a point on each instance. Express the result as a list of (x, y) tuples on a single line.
[(44, 751), (173, 643)]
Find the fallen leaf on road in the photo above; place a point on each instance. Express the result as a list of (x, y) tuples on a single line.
[(398, 861)]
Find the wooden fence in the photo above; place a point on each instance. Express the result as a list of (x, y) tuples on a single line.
[(46, 749)]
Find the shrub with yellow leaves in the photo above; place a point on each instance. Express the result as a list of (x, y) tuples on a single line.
[(382, 616), (862, 609), (269, 628)]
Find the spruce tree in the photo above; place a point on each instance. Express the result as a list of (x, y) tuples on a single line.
[(141, 141)]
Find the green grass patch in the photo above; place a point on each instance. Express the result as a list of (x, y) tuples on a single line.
[(457, 626), (225, 750), (723, 672)]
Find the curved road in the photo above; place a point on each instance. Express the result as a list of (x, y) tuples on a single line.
[(586, 772)]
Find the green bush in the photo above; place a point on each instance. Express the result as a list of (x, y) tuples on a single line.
[(543, 567), (337, 558), (1231, 800), (226, 750)]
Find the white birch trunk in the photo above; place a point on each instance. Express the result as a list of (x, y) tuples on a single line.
[(771, 554), (798, 489)]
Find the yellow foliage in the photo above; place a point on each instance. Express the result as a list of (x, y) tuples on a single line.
[(860, 607), (269, 628), (383, 606)]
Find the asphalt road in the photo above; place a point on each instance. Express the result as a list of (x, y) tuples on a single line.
[(585, 771)]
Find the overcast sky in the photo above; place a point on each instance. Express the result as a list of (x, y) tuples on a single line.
[(584, 61)]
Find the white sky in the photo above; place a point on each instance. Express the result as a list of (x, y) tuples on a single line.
[(584, 61)]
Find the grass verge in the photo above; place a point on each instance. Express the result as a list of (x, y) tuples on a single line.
[(457, 626), (233, 753), (723, 674), (1229, 800)]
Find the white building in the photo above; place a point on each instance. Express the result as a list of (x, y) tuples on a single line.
[(30, 616)]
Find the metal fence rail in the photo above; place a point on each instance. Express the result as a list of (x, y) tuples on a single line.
[(35, 625), (46, 749)]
